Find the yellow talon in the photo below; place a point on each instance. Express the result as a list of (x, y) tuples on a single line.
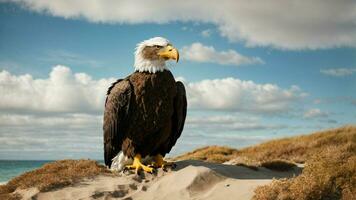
[(137, 165), (160, 163)]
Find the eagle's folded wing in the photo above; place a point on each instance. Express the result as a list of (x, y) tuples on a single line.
[(180, 112), (117, 107)]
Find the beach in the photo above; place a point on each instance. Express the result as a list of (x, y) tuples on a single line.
[(271, 170), (190, 180)]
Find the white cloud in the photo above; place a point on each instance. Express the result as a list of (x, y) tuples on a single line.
[(338, 72), (238, 95), (43, 142), (62, 91), (197, 52), (60, 116), (285, 24), (206, 33), (315, 113), (72, 120), (67, 92), (225, 123), (55, 117)]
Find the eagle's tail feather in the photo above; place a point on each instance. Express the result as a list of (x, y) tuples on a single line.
[(120, 161)]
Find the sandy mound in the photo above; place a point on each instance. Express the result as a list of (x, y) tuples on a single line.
[(190, 180)]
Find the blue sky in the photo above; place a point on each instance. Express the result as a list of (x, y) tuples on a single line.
[(286, 78)]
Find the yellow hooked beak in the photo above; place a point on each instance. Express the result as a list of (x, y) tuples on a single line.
[(169, 52)]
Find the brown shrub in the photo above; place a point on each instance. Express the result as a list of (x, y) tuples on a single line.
[(10, 196), (215, 154), (53, 175), (329, 174)]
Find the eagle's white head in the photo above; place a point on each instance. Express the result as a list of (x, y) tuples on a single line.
[(151, 55)]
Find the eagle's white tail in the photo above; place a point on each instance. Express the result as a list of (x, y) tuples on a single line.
[(120, 161)]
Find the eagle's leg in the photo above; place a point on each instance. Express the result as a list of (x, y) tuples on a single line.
[(160, 163), (137, 165)]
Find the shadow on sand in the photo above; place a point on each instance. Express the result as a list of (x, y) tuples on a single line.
[(240, 172)]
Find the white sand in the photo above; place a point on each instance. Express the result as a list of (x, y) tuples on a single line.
[(190, 180)]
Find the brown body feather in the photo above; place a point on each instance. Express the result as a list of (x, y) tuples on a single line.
[(144, 113)]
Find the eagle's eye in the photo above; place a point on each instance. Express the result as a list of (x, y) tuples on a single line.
[(157, 46)]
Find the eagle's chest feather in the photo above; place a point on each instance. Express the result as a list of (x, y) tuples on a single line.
[(154, 95)]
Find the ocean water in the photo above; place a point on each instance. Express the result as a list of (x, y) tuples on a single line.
[(11, 168)]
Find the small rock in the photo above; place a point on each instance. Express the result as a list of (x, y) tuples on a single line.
[(133, 186), (137, 178), (144, 188)]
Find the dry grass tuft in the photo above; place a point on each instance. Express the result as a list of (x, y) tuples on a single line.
[(330, 174), (215, 154), (9, 196), (53, 175)]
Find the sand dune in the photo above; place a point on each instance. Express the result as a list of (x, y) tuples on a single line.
[(329, 158), (189, 180)]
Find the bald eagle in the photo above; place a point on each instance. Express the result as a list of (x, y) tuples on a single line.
[(144, 112)]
